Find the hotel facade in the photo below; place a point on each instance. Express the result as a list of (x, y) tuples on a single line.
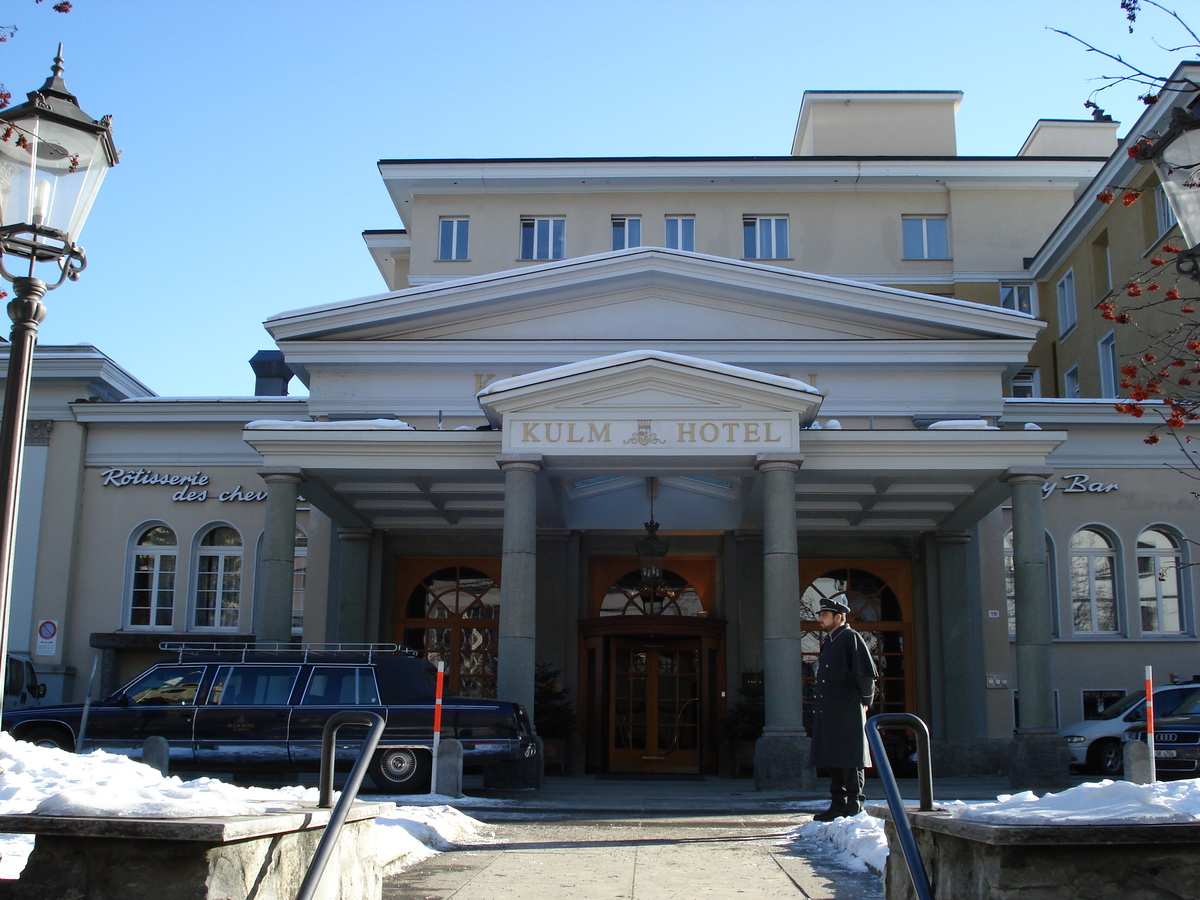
[(872, 366)]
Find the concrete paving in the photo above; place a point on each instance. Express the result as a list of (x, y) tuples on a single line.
[(593, 838)]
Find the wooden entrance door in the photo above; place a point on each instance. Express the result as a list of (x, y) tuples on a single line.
[(654, 706)]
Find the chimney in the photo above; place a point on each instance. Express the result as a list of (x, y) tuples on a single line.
[(271, 373)]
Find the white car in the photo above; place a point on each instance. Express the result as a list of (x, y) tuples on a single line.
[(1095, 744)]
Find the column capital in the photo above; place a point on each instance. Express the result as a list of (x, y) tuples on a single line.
[(1027, 475), (952, 537), (354, 533), (774, 462), (281, 474), (521, 462)]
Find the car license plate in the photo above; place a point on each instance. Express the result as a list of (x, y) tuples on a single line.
[(1164, 754)]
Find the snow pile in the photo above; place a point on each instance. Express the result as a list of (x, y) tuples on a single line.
[(859, 840), (45, 781), (1101, 802)]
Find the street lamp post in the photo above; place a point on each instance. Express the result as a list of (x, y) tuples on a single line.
[(1176, 157), (53, 158)]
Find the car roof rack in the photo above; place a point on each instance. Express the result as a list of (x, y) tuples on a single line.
[(283, 649)]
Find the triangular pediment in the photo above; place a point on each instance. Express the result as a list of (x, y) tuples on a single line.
[(627, 396), (651, 295)]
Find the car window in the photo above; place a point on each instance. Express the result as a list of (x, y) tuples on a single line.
[(341, 686), (1190, 705), (166, 686), (253, 685)]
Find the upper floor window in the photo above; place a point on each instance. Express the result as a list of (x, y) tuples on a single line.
[(765, 237), (152, 598), (681, 233), (1066, 303), (1071, 383), (1106, 349), (1018, 296), (452, 238), (1026, 383), (299, 581), (1093, 597), (543, 238), (1158, 564), (219, 578), (626, 232), (925, 237)]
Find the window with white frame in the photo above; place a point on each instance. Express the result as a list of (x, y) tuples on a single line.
[(764, 237), (218, 594), (1093, 582), (626, 232), (543, 238), (1164, 215), (1158, 564), (152, 594), (452, 238), (681, 233), (1018, 296), (299, 581), (1071, 382), (1106, 349), (1026, 383), (1066, 303), (925, 237)]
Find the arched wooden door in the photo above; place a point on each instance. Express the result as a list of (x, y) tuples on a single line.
[(449, 611), (650, 669)]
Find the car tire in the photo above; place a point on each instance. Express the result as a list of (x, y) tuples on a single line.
[(401, 770), (1107, 758), (48, 736)]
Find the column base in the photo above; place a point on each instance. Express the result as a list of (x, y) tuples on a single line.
[(978, 757), (1039, 762), (781, 763), (517, 775)]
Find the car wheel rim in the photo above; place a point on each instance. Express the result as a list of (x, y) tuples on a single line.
[(399, 765)]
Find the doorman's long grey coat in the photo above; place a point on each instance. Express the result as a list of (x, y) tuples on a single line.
[(845, 688)]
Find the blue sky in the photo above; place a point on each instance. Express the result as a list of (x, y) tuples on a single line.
[(251, 130)]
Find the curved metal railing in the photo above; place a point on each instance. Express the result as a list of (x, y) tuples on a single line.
[(912, 856), (349, 790)]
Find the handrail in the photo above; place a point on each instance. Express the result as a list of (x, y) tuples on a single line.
[(912, 857), (349, 790)]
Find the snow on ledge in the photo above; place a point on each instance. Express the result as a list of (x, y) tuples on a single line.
[(340, 425)]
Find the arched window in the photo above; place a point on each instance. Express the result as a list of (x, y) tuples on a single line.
[(218, 578), (152, 594), (299, 581), (1158, 564), (454, 616), (1093, 582), (675, 597)]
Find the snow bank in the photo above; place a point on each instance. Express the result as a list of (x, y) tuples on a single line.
[(859, 842), (45, 781)]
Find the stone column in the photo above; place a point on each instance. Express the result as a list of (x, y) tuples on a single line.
[(781, 757), (961, 678), (518, 580), (1038, 757), (354, 560), (273, 611)]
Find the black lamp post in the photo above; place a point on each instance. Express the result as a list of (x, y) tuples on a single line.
[(1176, 156), (53, 157)]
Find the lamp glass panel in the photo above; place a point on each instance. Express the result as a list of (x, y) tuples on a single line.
[(1179, 170), (52, 178)]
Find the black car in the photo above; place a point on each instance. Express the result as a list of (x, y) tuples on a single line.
[(248, 708), (1176, 741)]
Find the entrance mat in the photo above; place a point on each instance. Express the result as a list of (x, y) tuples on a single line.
[(644, 776)]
